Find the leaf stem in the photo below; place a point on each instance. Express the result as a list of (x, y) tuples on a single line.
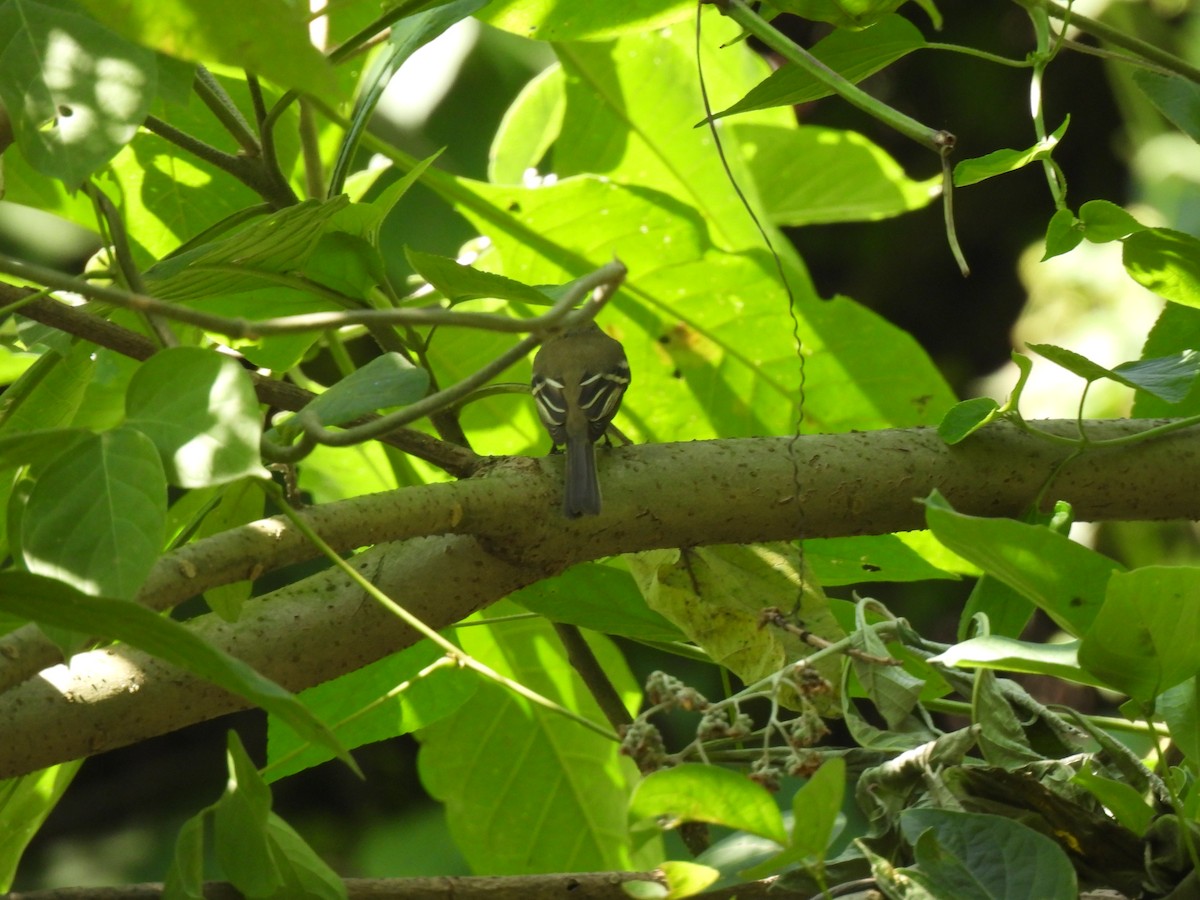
[(1116, 37), (931, 138), (209, 90)]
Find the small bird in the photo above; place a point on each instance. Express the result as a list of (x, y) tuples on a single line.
[(579, 378)]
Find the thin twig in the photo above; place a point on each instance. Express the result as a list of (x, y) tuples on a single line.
[(278, 394)]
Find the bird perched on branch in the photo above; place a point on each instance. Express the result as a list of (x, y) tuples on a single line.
[(579, 378)]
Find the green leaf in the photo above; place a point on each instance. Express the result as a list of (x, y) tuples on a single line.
[(697, 793), (25, 802), (278, 352), (815, 810), (1104, 221), (1010, 655), (1000, 162), (53, 603), (974, 856), (1176, 98), (200, 410), (260, 853), (457, 282), (53, 389), (185, 877), (1071, 361), (395, 695), (269, 37), (1177, 331), (852, 53), (967, 417), (383, 204), (824, 175), (1145, 636), (1127, 805), (1063, 234), (386, 381), (894, 690), (1180, 709), (1008, 612), (96, 517), (1169, 378), (25, 448), (600, 597), (715, 595), (1166, 262), (876, 557), (816, 819), (561, 788), (75, 92), (1064, 579), (1001, 739), (528, 129), (304, 873), (546, 20), (240, 826), (278, 244), (685, 879)]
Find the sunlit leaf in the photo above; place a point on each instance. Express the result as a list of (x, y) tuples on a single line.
[(699, 793), (1166, 262), (200, 410), (1000, 162)]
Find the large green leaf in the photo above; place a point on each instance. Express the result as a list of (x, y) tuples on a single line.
[(1064, 579), (48, 602), (1010, 655), (716, 596), (279, 243), (825, 175), (974, 856), (74, 91), (600, 597), (258, 851), (528, 128), (96, 517), (268, 37), (710, 345), (1177, 98), (698, 793), (709, 340), (386, 381), (852, 53), (1176, 331), (1144, 638), (1166, 262), (200, 410), (24, 804), (877, 557), (527, 790), (1169, 378), (396, 695), (549, 20)]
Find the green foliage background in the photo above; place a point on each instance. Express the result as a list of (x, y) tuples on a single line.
[(592, 151)]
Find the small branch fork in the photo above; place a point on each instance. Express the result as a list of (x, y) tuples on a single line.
[(772, 615)]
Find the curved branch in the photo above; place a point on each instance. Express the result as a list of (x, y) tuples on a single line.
[(502, 532)]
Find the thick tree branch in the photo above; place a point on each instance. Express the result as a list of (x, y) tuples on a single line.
[(502, 531)]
